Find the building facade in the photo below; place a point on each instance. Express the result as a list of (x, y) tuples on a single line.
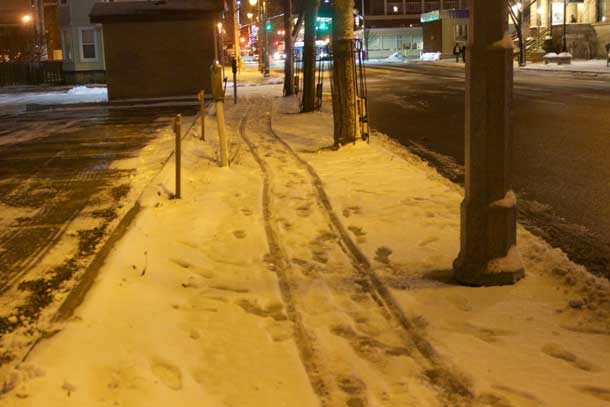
[(402, 13), (443, 30), (587, 25), (82, 42), (395, 26)]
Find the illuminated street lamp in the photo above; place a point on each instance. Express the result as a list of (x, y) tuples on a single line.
[(26, 18), (252, 2)]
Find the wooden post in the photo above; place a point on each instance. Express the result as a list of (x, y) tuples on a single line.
[(222, 136), (218, 94), (488, 254), (202, 113), (178, 131)]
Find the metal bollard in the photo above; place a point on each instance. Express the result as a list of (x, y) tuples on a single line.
[(202, 113), (178, 131), (234, 70)]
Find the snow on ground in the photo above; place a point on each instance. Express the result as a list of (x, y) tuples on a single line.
[(102, 213), (577, 65), (186, 310), (506, 339), (16, 102)]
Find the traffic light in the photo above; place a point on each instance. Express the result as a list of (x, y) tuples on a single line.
[(323, 25), (268, 26)]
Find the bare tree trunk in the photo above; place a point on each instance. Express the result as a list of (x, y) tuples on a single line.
[(344, 88), (288, 49), (309, 55)]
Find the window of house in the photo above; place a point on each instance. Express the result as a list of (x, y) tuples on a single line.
[(88, 46), (67, 45), (461, 32)]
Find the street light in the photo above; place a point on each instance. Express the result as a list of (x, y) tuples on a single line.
[(250, 15), (26, 18), (252, 2)]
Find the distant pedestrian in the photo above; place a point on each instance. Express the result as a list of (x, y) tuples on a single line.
[(608, 55), (456, 52), (463, 53), (573, 19)]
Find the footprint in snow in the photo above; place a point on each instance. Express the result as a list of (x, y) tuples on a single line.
[(239, 234), (382, 254), (556, 351), (167, 373)]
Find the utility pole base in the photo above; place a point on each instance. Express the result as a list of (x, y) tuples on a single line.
[(489, 254), (485, 275)]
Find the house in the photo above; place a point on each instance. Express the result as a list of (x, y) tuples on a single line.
[(155, 49), (82, 42)]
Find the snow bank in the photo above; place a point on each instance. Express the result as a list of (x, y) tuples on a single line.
[(430, 56), (86, 90), (396, 57)]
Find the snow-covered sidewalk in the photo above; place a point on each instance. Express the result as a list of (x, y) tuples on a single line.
[(591, 66), (303, 276)]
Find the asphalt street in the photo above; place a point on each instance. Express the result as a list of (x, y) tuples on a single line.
[(561, 126)]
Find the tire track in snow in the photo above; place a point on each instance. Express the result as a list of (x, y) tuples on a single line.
[(281, 266), (356, 310)]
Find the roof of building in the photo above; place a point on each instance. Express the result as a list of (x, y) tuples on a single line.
[(153, 10)]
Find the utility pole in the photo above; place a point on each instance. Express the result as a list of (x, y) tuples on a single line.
[(488, 254), (344, 88)]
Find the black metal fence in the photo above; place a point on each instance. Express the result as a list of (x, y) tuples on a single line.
[(31, 73)]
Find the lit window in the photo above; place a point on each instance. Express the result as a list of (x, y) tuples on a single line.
[(88, 48)]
